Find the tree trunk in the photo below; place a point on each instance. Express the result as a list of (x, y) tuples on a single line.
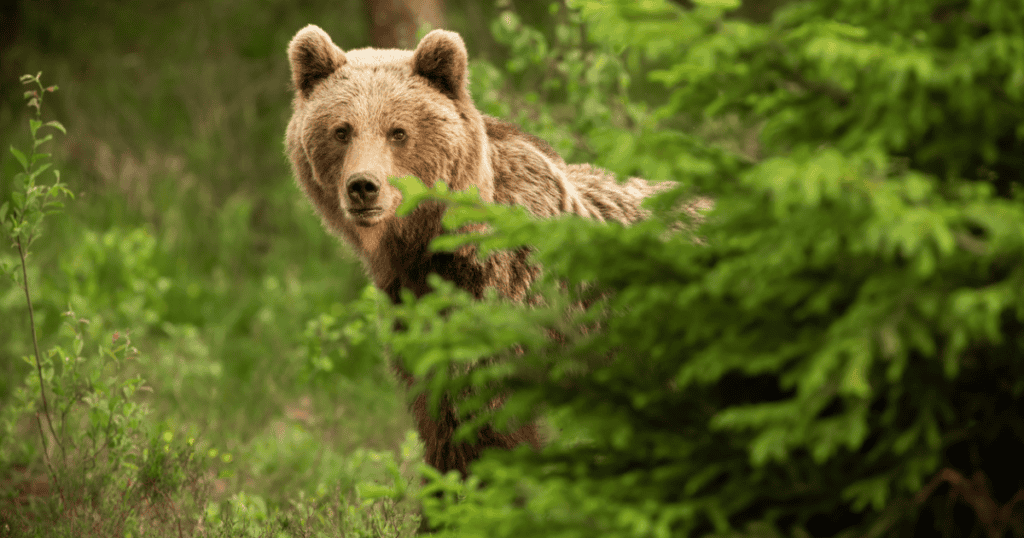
[(393, 23)]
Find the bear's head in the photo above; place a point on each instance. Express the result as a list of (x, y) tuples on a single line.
[(367, 115)]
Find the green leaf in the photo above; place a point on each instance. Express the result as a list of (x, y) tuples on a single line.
[(42, 140), (769, 445), (871, 491), (56, 124), (369, 490), (33, 123), (721, 4), (42, 168), (20, 157)]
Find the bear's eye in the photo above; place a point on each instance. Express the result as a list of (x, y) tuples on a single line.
[(343, 133), (398, 135)]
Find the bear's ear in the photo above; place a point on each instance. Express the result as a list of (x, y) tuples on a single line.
[(313, 57), (442, 59)]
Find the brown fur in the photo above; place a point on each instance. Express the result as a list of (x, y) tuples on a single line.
[(365, 115)]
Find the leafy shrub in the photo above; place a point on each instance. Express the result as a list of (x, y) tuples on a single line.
[(836, 356)]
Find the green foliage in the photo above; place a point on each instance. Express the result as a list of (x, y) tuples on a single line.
[(344, 341), (347, 500), (23, 214), (835, 353)]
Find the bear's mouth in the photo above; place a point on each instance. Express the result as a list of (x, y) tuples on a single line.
[(366, 216)]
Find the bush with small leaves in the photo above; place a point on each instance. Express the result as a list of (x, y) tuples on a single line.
[(837, 355)]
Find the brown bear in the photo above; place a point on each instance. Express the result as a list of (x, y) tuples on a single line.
[(364, 116)]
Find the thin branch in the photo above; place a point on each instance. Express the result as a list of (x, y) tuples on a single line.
[(39, 362)]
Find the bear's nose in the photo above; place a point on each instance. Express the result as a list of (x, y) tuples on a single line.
[(362, 188)]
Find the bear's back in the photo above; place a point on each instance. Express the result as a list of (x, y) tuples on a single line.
[(528, 172)]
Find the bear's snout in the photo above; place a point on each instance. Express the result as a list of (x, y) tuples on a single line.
[(363, 189)]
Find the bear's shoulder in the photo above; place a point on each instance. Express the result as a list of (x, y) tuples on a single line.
[(502, 132)]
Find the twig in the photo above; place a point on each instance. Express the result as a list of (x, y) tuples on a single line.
[(976, 493), (39, 362)]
